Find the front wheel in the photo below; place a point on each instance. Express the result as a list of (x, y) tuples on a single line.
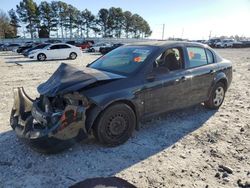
[(115, 125), (217, 96), (41, 57)]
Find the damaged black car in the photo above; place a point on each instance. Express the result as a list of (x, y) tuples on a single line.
[(114, 93)]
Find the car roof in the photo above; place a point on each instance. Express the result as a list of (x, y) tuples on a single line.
[(60, 43), (166, 43)]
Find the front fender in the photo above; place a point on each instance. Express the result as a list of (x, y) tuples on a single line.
[(101, 103)]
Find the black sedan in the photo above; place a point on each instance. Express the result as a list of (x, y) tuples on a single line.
[(107, 49), (111, 95), (36, 47), (25, 47)]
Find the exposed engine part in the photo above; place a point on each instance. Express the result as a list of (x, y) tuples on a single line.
[(38, 118)]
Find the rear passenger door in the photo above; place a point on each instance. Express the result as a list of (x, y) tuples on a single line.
[(201, 64), (64, 51)]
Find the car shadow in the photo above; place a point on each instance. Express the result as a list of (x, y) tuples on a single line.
[(94, 53), (23, 61), (36, 61), (4, 54), (89, 159), (15, 57)]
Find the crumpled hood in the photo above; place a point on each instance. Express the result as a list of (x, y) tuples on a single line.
[(69, 79)]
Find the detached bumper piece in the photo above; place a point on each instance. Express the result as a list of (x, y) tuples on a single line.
[(46, 131)]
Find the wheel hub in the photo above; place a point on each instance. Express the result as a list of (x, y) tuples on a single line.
[(42, 57), (117, 125), (219, 96), (73, 56)]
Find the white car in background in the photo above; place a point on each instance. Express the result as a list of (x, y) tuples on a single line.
[(96, 47), (225, 43), (56, 51)]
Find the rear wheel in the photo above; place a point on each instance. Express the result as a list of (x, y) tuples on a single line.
[(115, 125), (217, 96), (92, 50), (41, 57), (72, 55)]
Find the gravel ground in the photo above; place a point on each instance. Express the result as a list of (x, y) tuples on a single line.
[(193, 147)]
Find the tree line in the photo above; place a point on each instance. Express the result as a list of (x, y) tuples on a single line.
[(6, 28), (66, 20)]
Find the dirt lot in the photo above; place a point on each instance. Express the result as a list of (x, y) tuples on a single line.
[(194, 147)]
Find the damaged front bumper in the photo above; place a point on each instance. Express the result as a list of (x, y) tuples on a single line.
[(37, 122)]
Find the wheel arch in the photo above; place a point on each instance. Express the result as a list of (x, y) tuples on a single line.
[(224, 81), (221, 77)]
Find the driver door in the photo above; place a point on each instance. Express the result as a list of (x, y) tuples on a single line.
[(54, 52)]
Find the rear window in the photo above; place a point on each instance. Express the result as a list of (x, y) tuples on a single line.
[(210, 56), (197, 57), (64, 46), (55, 47)]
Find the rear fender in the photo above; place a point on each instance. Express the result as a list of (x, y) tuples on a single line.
[(220, 77)]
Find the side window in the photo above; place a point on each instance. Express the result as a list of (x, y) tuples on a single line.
[(210, 56), (170, 60), (197, 57), (55, 47), (64, 46)]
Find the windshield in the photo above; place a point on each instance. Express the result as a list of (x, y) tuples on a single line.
[(44, 46), (41, 46), (123, 60)]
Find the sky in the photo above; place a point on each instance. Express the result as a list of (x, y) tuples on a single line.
[(190, 19)]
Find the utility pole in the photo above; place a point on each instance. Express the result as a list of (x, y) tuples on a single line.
[(210, 33), (182, 32), (163, 31)]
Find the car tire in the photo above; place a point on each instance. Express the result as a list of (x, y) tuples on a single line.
[(115, 125), (41, 57), (72, 55), (49, 145), (92, 50), (216, 97)]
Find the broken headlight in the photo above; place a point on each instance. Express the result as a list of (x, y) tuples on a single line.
[(76, 99)]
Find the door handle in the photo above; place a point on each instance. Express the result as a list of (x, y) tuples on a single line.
[(182, 79), (212, 71)]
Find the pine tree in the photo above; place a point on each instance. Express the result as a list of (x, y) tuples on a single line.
[(29, 14), (47, 17), (14, 21)]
